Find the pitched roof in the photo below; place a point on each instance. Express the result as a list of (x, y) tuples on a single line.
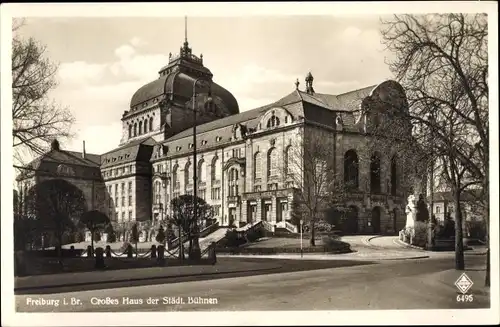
[(217, 132), (348, 101), (70, 158), (136, 150)]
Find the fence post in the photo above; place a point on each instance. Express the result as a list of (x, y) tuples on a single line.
[(212, 255), (99, 258), (108, 251), (90, 253), (161, 255)]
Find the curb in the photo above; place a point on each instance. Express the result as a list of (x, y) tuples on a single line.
[(333, 258), (101, 282), (407, 245)]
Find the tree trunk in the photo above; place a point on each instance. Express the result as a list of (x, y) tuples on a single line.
[(486, 214), (459, 238), (181, 245), (312, 240), (59, 248), (91, 243)]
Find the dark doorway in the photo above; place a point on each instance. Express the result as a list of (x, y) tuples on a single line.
[(252, 213), (351, 222), (376, 220), (375, 174), (395, 220)]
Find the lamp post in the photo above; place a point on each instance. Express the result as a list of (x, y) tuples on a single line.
[(301, 230), (195, 166)]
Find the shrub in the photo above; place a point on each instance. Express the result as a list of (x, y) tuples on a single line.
[(333, 243), (323, 226), (476, 229), (254, 234), (233, 239), (111, 234), (160, 237), (134, 236), (419, 234), (448, 230)]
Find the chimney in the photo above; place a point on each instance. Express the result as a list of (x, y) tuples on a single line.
[(83, 152)]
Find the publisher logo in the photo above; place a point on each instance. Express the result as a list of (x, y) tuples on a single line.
[(464, 283)]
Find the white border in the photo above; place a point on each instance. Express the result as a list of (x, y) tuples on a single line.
[(431, 317)]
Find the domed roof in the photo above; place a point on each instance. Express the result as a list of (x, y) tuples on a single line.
[(177, 79)]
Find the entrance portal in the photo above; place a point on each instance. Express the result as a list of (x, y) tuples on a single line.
[(376, 220)]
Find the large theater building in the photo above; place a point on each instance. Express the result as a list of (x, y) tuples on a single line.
[(242, 158)]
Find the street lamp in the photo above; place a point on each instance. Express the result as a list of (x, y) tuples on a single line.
[(195, 166), (301, 230)]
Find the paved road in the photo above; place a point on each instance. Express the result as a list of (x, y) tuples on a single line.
[(411, 284)]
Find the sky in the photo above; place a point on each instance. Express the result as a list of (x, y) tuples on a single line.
[(103, 61)]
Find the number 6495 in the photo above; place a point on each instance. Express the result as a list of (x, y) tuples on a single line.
[(465, 298)]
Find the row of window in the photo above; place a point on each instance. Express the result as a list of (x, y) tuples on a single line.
[(115, 196), (116, 172), (140, 128), (121, 216), (351, 172)]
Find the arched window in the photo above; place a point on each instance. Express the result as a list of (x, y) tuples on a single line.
[(140, 127), (272, 162), (273, 121), (351, 170), (129, 131), (286, 160), (157, 191), (257, 166), (145, 126), (150, 124), (202, 171), (175, 178), (375, 173), (394, 178), (233, 182), (188, 176), (135, 129), (215, 171)]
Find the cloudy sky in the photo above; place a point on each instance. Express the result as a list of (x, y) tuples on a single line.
[(104, 60)]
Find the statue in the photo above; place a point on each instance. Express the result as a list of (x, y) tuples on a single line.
[(410, 211), (422, 213)]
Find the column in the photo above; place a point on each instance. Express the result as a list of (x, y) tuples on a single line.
[(244, 211)]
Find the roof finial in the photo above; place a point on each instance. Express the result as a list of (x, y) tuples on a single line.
[(297, 83), (309, 83)]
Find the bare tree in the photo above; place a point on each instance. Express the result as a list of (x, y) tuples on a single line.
[(442, 62), (36, 119), (310, 165)]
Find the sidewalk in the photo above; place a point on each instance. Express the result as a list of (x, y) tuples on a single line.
[(354, 256), (131, 275)]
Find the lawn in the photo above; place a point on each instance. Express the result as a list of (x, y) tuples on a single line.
[(282, 242)]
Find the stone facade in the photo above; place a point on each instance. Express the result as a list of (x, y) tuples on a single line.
[(243, 159)]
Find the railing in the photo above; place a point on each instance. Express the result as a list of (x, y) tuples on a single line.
[(291, 227), (268, 226), (209, 230), (172, 244)]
